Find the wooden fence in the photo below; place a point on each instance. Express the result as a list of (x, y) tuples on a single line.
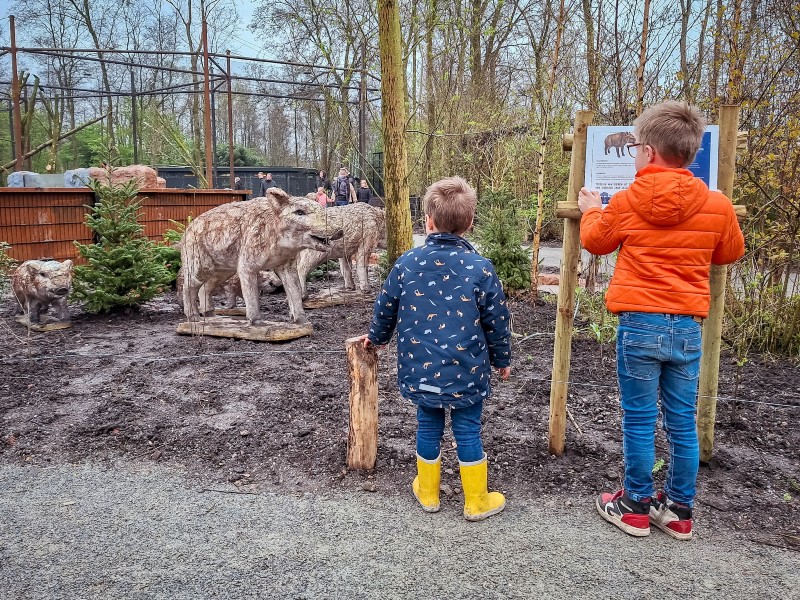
[(43, 223)]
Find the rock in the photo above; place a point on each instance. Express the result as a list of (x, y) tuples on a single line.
[(238, 469), (244, 433), (545, 279), (449, 471), (611, 475), (156, 455), (234, 477), (446, 490), (369, 486)]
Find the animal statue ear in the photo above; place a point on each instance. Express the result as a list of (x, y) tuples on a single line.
[(279, 196), (68, 263)]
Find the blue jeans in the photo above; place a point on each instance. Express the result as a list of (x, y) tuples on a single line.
[(658, 355), (341, 202), (466, 429)]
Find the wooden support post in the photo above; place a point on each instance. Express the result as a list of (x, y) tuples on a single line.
[(562, 350), (362, 441), (712, 328)]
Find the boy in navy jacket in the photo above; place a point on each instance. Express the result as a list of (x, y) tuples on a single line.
[(453, 326)]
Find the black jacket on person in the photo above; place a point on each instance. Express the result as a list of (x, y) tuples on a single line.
[(363, 194), (324, 183), (266, 184)]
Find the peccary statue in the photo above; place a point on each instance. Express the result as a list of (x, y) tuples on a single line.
[(38, 284), (618, 142), (364, 229), (244, 238)]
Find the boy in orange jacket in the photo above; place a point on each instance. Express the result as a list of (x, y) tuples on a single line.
[(669, 228)]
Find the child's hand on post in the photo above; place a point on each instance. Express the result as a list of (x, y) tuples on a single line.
[(588, 199), (364, 339), (503, 372)]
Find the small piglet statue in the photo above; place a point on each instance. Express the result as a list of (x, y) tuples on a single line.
[(37, 284)]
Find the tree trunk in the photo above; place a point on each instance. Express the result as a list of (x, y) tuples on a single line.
[(642, 59), (591, 57), (398, 214), (551, 84)]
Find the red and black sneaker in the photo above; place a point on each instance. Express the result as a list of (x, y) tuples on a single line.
[(626, 513), (672, 518)]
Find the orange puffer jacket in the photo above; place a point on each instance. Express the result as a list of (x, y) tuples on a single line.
[(671, 228)]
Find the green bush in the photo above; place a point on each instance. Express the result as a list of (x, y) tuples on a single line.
[(500, 231), (591, 310), (124, 268)]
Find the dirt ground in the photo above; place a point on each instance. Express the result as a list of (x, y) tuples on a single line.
[(258, 416)]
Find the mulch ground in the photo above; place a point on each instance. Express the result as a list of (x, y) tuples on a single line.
[(257, 416)]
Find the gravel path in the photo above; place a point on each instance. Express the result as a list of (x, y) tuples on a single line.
[(150, 532)]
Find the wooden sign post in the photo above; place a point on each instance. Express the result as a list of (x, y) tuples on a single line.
[(362, 440), (562, 352), (729, 140), (712, 327)]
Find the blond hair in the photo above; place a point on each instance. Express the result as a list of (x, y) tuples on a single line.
[(674, 129), (451, 203)]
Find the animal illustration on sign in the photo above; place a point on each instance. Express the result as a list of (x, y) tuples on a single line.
[(618, 142)]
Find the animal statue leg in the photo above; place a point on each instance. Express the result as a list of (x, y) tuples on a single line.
[(346, 267), (362, 269), (291, 283), (62, 312), (35, 309), (252, 299), (191, 289)]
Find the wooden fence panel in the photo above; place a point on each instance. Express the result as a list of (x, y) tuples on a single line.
[(43, 223)]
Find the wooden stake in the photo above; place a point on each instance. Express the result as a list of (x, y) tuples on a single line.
[(562, 351), (712, 328), (362, 441)]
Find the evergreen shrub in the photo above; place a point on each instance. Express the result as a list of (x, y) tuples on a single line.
[(124, 268), (500, 231)]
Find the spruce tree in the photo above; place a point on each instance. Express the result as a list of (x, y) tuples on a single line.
[(500, 235), (123, 267)]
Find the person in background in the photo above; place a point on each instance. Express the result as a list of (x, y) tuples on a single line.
[(669, 229), (323, 181), (322, 197), (267, 183), (343, 190), (237, 183), (261, 188), (363, 193), (453, 327)]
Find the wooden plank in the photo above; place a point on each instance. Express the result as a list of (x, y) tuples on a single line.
[(362, 439), (238, 327), (568, 282), (708, 386)]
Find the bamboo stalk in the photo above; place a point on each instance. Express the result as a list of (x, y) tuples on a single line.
[(712, 328), (562, 351)]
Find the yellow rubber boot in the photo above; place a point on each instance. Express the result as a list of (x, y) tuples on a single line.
[(426, 483), (479, 503)]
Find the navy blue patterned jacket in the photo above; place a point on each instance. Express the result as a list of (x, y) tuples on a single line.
[(452, 322)]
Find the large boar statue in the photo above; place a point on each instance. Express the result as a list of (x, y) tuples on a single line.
[(244, 238), (39, 284)]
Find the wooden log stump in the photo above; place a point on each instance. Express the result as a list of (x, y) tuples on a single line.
[(335, 297), (362, 440)]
